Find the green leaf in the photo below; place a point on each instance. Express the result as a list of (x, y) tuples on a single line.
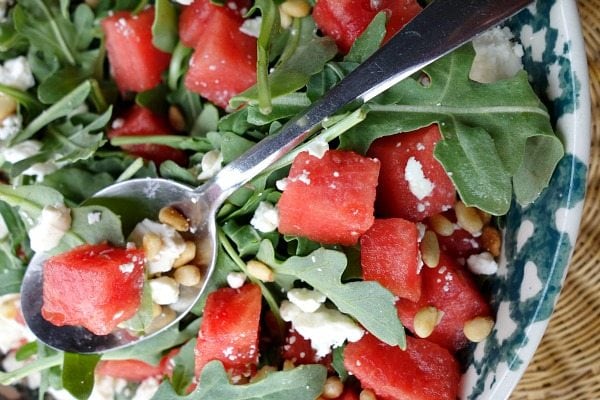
[(154, 99), (295, 72), (493, 133), (369, 41), (78, 374), (233, 146), (367, 301), (59, 109), (245, 237), (164, 28), (184, 370), (338, 363), (60, 83), (95, 224), (302, 383), (77, 184), (144, 315), (282, 107)]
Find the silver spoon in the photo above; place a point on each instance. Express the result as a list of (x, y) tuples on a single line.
[(440, 28)]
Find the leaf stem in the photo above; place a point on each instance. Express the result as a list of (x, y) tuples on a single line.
[(9, 378), (57, 33)]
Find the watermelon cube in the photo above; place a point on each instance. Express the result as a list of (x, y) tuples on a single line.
[(94, 286), (229, 330), (450, 289), (193, 17), (389, 254), (345, 20), (141, 121), (224, 60), (412, 184), (134, 61), (330, 199), (424, 371)]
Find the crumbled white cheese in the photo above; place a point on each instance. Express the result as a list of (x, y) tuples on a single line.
[(172, 244), (94, 217), (496, 56), (10, 126), (16, 73), (184, 2), (27, 149), (10, 363), (418, 183), (282, 184), (325, 328), (52, 225), (211, 163), (236, 280), (251, 26), (318, 147), (105, 388), (148, 387), (266, 217), (117, 123), (3, 228), (482, 264), (305, 299), (12, 333), (165, 290)]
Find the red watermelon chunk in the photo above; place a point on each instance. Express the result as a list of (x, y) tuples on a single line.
[(424, 371), (412, 184), (135, 63), (389, 254), (224, 60), (460, 243), (299, 350), (141, 121), (450, 289), (136, 370), (229, 330), (193, 18), (94, 286), (346, 20), (329, 199)]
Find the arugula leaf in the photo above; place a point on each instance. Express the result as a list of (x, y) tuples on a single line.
[(368, 41), (302, 383), (184, 370), (141, 320), (368, 302), (78, 374), (497, 137), (294, 73), (164, 27), (59, 109)]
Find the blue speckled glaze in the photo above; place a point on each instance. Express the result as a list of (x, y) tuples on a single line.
[(539, 239)]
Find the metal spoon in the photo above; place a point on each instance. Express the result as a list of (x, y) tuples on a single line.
[(440, 28)]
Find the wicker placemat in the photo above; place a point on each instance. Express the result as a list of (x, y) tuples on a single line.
[(567, 363)]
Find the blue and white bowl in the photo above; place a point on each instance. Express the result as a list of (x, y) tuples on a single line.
[(538, 239)]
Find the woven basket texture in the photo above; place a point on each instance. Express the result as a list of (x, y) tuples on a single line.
[(566, 366)]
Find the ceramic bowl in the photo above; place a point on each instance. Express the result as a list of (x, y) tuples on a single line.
[(538, 239)]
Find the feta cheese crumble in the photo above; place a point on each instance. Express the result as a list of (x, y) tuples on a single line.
[(211, 163), (3, 228), (418, 183), (16, 73), (236, 280), (52, 225), (318, 147), (171, 247), (251, 26), (12, 333), (25, 150), (266, 217), (496, 56), (165, 290), (305, 299), (325, 328), (482, 264), (10, 126)]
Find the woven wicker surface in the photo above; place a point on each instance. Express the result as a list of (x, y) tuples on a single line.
[(567, 363)]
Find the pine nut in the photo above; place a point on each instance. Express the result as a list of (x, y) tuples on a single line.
[(8, 106), (187, 275), (166, 316), (430, 249), (204, 251), (425, 321), (367, 394), (468, 218), (151, 244), (284, 19), (288, 365), (491, 240), (333, 388), (188, 254), (260, 271), (165, 290), (176, 118), (172, 217), (485, 217), (479, 328), (156, 310), (295, 8), (262, 373), (441, 225)]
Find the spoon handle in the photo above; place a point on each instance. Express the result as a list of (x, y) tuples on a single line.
[(441, 27)]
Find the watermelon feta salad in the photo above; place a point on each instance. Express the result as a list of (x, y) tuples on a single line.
[(351, 269)]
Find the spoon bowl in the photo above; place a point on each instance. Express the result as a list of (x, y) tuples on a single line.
[(415, 46)]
